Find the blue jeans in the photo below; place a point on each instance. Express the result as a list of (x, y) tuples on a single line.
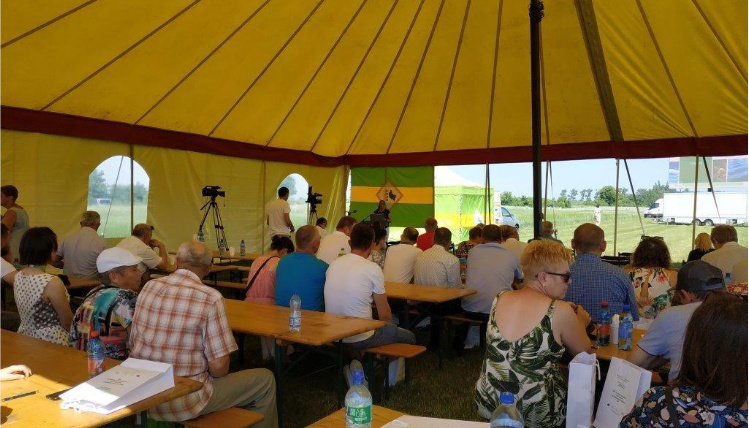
[(384, 336)]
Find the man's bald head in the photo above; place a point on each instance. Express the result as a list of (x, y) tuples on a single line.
[(195, 257), (589, 238), (547, 228), (307, 239), (410, 235)]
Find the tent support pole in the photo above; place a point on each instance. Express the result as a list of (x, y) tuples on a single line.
[(132, 187), (634, 196), (536, 12), (616, 206), (487, 203), (694, 209), (262, 215), (712, 189)]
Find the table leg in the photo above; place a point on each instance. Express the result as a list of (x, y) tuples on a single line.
[(279, 381), (339, 383)]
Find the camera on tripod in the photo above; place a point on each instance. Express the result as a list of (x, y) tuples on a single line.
[(213, 192), (313, 198)]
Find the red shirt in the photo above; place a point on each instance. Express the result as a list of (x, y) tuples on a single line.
[(425, 241)]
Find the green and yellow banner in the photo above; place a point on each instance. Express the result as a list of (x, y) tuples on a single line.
[(407, 191)]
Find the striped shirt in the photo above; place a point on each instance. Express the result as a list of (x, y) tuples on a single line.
[(180, 321), (594, 280)]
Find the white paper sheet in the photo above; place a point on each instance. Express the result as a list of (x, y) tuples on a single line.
[(625, 384), (407, 421)]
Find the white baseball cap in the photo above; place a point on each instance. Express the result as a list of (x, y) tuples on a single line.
[(115, 257)]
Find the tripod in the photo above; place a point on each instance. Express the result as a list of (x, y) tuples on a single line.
[(218, 224), (312, 217)]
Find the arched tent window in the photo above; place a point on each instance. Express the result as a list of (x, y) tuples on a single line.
[(109, 187), (298, 187)]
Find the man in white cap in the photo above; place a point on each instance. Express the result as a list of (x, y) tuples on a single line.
[(109, 308)]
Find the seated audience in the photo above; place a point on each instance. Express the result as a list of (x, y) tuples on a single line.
[(401, 258), (652, 277), (491, 269), (15, 218), (474, 238), (665, 337), (80, 250), (548, 232), (337, 243), (7, 270), (727, 252), (379, 247), (14, 373), (529, 331), (594, 280), (426, 240), (261, 280), (42, 299), (109, 308), (436, 266), (322, 225), (302, 273), (511, 240), (161, 315), (353, 283), (140, 243), (711, 387), (702, 246)]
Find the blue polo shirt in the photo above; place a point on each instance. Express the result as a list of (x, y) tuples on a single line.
[(594, 280), (303, 274)]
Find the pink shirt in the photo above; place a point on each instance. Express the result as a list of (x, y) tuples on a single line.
[(263, 290)]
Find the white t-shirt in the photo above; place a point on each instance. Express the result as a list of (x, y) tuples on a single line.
[(515, 246), (399, 263), (6, 268), (323, 232), (331, 246), (726, 257), (137, 247), (276, 221), (349, 284)]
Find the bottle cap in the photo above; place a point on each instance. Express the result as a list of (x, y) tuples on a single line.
[(93, 334), (507, 398), (358, 377)]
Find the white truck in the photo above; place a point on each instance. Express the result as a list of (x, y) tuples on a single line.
[(679, 208)]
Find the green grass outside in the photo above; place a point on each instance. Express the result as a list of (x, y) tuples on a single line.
[(115, 222)]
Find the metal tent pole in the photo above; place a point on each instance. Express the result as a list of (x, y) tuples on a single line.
[(616, 206), (132, 188), (487, 203), (694, 210), (536, 13), (634, 196)]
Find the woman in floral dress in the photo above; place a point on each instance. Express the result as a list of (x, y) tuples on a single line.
[(529, 330), (652, 277)]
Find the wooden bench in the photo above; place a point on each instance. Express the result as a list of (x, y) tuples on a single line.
[(233, 417), (238, 287), (462, 319), (395, 350)]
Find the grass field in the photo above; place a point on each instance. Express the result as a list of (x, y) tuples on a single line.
[(115, 222)]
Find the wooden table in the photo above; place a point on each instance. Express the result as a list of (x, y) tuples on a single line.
[(607, 352), (425, 293), (380, 417), (79, 282), (56, 368), (318, 329), (236, 257)]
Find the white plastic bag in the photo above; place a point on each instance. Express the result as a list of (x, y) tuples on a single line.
[(582, 390)]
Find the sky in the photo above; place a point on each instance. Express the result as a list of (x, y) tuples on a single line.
[(114, 164)]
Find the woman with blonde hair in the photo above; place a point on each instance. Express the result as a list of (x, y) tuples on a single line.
[(702, 246), (528, 332)]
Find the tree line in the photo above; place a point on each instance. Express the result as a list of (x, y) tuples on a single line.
[(119, 194), (605, 196)]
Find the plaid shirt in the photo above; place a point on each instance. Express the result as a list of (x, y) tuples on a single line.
[(594, 280), (180, 321)]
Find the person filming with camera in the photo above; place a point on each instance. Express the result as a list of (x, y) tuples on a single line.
[(277, 217)]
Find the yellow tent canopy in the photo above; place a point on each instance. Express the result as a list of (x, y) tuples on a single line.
[(378, 82)]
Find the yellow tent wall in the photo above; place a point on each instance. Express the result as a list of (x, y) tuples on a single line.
[(52, 172)]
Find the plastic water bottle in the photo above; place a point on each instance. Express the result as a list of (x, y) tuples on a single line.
[(342, 252), (506, 414), (221, 247), (625, 329), (242, 248), (16, 264), (604, 328), (358, 403), (727, 280), (95, 351), (295, 318), (201, 235)]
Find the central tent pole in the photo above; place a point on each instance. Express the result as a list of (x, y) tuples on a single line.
[(536, 12)]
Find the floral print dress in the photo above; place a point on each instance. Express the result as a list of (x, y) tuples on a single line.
[(693, 410), (659, 290), (526, 367)]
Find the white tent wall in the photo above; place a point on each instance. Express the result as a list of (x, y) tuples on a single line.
[(51, 173)]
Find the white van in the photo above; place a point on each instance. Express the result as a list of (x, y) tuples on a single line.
[(503, 216)]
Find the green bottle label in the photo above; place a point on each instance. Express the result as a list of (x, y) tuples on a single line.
[(359, 415)]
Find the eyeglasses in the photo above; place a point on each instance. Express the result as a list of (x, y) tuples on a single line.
[(565, 276)]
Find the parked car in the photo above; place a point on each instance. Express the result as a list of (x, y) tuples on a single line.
[(503, 216)]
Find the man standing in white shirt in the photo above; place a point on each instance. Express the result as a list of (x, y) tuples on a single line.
[(7, 270), (140, 244), (277, 217), (80, 250), (727, 252), (337, 243), (322, 225), (511, 239), (400, 259), (352, 283)]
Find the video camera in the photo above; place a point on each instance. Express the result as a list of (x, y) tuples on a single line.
[(213, 192), (313, 198)]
